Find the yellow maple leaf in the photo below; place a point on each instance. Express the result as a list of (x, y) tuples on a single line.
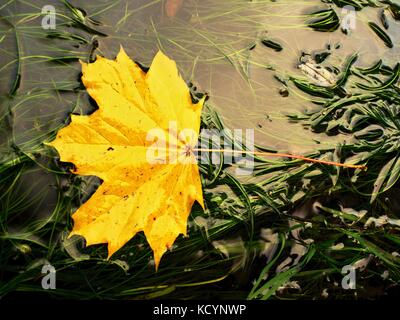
[(137, 193)]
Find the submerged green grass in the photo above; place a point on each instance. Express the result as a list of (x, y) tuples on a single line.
[(321, 211)]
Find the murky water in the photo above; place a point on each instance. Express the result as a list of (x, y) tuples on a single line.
[(216, 44), (213, 44), (218, 47)]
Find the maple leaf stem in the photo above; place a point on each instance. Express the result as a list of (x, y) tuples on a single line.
[(270, 154)]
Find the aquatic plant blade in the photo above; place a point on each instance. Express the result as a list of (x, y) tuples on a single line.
[(140, 191)]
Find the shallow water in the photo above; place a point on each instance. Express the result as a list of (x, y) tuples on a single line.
[(217, 46), (213, 44)]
